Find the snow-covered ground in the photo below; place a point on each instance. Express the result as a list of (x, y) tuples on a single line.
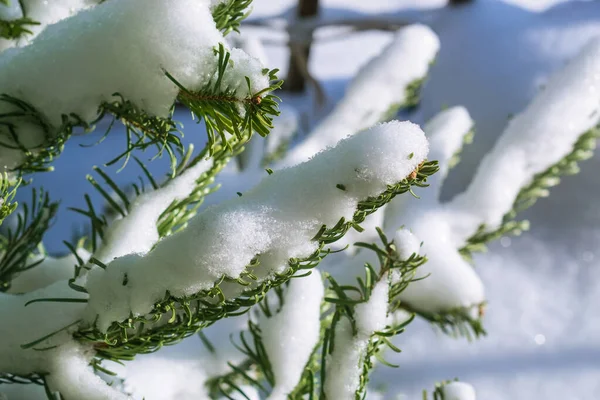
[(543, 287)]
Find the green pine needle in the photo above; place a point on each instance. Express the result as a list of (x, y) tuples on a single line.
[(15, 29), (18, 245), (229, 15)]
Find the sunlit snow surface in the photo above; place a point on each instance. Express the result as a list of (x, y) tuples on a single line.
[(544, 287)]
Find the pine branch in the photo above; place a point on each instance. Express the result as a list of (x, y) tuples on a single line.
[(36, 159), (528, 195), (397, 274), (176, 215), (229, 14), (251, 370), (220, 109), (223, 112), (142, 130), (312, 378), (441, 388), (17, 246), (182, 317), (413, 93)]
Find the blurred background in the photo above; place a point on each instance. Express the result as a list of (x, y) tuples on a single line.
[(543, 287)]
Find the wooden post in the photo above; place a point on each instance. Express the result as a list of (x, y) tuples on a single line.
[(300, 53)]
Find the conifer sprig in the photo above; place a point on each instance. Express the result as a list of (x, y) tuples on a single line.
[(19, 243), (539, 187), (223, 113), (8, 190), (229, 14), (173, 318), (346, 298), (463, 322), (251, 371), (36, 159)]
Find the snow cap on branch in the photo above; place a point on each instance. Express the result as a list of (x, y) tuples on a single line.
[(276, 221), (156, 35), (534, 140), (406, 244), (344, 364), (458, 391), (451, 282), (291, 335), (137, 232), (379, 86), (446, 134)]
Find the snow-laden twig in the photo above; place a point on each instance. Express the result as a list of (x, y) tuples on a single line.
[(386, 83), (534, 141), (173, 36), (547, 139), (451, 282), (274, 221), (344, 365), (363, 326), (290, 336), (137, 232), (32, 16), (458, 391), (224, 239)]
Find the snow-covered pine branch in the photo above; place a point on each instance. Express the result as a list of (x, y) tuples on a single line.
[(302, 200), (274, 220), (36, 15), (385, 84), (291, 335), (161, 269), (557, 130), (457, 391), (170, 55), (363, 327)]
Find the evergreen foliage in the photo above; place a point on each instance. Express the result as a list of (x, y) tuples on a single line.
[(230, 122)]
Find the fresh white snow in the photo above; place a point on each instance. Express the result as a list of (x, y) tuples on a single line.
[(157, 36), (290, 336), (380, 85), (534, 286), (458, 391), (344, 365), (298, 200)]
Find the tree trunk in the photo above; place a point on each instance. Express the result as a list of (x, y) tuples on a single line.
[(299, 53)]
